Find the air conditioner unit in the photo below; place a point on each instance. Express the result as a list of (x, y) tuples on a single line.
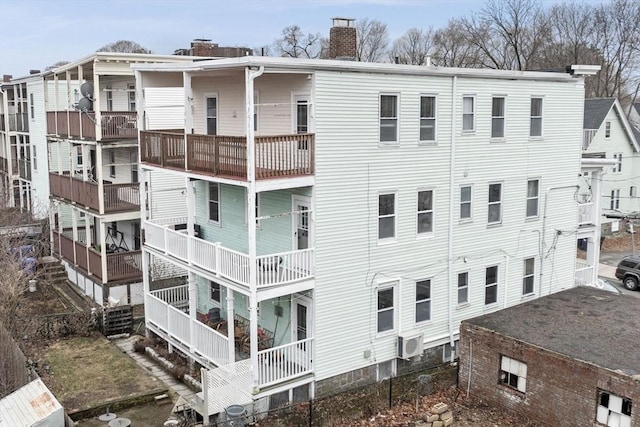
[(410, 345)]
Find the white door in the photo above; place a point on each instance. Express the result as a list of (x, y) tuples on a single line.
[(301, 318), (302, 236), (301, 113)]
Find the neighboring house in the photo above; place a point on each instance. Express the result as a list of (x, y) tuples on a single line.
[(567, 359), (608, 134), (92, 134), (23, 145), (343, 218)]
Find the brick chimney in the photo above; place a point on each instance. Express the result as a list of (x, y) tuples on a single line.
[(6, 78), (202, 47), (342, 39)]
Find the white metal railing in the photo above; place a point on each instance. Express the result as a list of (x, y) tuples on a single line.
[(586, 213), (176, 296), (211, 344), (587, 137), (584, 276), (272, 269), (285, 362), (178, 324), (155, 311)]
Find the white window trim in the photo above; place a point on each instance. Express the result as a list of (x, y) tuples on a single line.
[(516, 368), (607, 129), (527, 198), (34, 157), (386, 240), (246, 202), (617, 168), (209, 220), (614, 203), (206, 117), (131, 88), (433, 213), (32, 107), (397, 118), (503, 117), (501, 202), (433, 141), (541, 117), (470, 203), (465, 303), (429, 300), (211, 282), (474, 113), (392, 284), (532, 275), (487, 285)]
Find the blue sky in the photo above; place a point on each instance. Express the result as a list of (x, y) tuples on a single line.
[(38, 33)]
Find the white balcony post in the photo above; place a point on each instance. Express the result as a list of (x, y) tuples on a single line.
[(96, 108), (191, 209), (188, 103), (193, 307), (217, 258), (145, 271), (98, 175), (143, 197), (231, 330), (103, 249)]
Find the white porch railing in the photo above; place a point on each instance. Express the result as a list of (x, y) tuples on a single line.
[(174, 324), (273, 269), (584, 275), (285, 362), (178, 296), (586, 213)]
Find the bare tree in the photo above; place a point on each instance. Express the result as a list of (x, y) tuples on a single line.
[(56, 65), (509, 33), (413, 47), (452, 47), (372, 40), (296, 44), (124, 46)]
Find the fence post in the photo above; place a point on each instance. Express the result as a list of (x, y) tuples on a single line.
[(390, 392)]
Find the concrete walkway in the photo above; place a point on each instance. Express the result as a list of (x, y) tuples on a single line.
[(185, 394), (607, 271)]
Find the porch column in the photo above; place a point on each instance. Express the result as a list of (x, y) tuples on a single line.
[(146, 286), (74, 231), (96, 108), (193, 307), (231, 330), (56, 91), (143, 199), (98, 177), (188, 104), (593, 248), (191, 210), (103, 248)]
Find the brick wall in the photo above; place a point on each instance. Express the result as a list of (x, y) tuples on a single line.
[(342, 42), (559, 392)]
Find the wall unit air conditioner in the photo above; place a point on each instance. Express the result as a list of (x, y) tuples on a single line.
[(410, 345)]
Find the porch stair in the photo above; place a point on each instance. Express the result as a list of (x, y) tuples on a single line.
[(53, 273)]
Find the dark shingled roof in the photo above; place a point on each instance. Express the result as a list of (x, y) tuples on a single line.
[(583, 323), (595, 110)]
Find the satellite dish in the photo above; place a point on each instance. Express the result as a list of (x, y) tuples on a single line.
[(87, 90), (85, 105)]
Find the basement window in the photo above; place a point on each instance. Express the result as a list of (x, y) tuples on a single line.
[(613, 410), (513, 374)]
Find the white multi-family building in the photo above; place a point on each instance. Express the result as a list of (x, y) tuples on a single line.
[(92, 137), (337, 220), (608, 134)]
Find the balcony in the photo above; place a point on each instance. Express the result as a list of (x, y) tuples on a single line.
[(117, 197), (273, 270), (166, 313), (74, 124), (226, 156), (587, 214), (19, 122), (121, 266), (24, 168)]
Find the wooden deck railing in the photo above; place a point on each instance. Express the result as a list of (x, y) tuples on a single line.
[(120, 265), (285, 362), (115, 124), (219, 155), (117, 197)]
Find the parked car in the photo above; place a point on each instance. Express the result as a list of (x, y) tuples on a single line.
[(629, 272)]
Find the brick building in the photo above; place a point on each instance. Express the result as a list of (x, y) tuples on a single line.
[(567, 359)]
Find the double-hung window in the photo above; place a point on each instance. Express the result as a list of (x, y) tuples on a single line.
[(617, 168), (535, 125), (423, 301), (463, 288), (34, 157), (615, 200), (528, 276), (109, 95), (607, 130), (31, 106), (388, 118), (495, 203), (214, 202), (497, 117), (468, 113), (533, 197), (131, 91), (112, 163), (613, 410), (491, 285), (513, 374), (465, 202), (386, 216), (214, 291), (386, 309), (427, 118), (212, 115), (425, 212)]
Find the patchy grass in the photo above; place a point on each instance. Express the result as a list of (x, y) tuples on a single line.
[(87, 371)]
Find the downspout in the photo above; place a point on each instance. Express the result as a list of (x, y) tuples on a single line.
[(544, 226), (250, 76), (452, 167)]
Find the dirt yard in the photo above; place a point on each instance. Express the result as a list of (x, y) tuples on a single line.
[(620, 243)]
